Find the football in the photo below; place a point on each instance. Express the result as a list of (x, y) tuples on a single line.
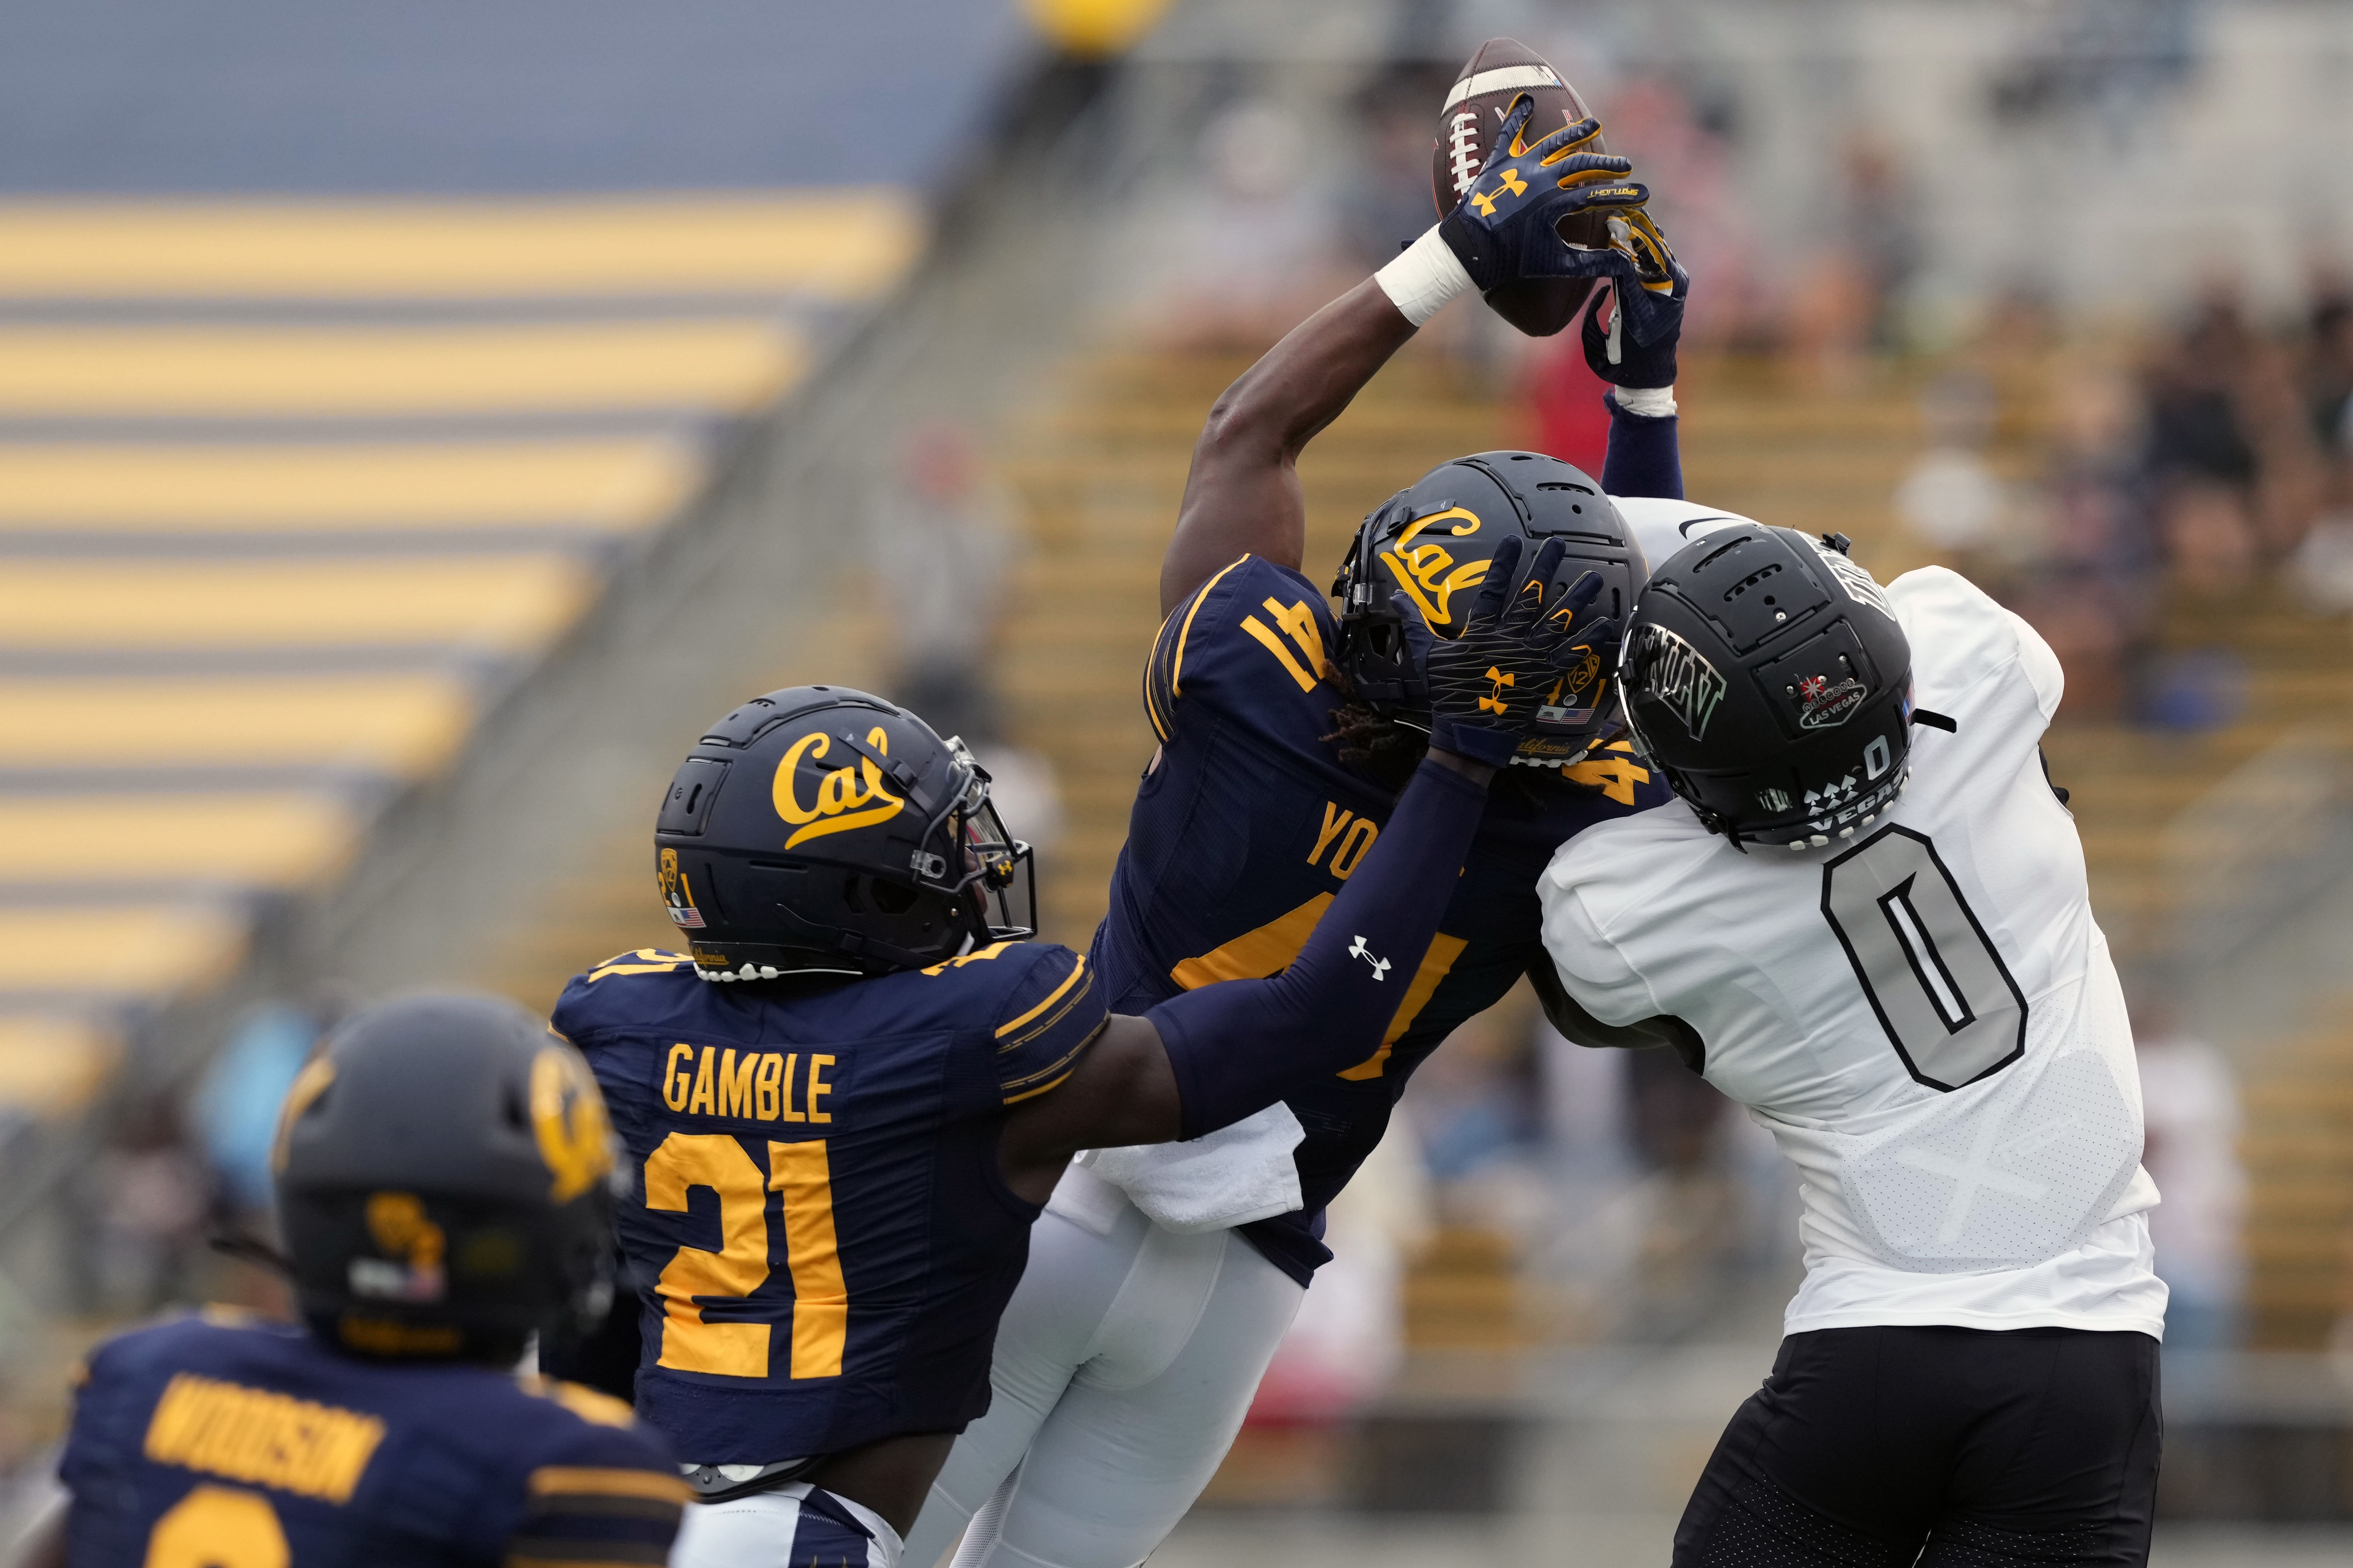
[(1494, 76)]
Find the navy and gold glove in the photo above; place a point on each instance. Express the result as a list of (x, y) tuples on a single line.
[(1486, 684), (1636, 347), (1507, 225)]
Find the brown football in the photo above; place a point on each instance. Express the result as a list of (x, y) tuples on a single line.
[(1500, 70)]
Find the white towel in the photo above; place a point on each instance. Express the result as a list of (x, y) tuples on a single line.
[(1229, 1177)]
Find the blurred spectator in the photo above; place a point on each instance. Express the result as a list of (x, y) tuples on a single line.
[(234, 1110), (1344, 1348), (149, 1194), (1950, 499), (940, 546), (2189, 1105)]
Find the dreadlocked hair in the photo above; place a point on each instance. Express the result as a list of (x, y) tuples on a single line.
[(1363, 734)]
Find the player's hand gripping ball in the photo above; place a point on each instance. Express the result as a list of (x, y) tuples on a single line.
[(1486, 684), (1629, 339), (1506, 227)]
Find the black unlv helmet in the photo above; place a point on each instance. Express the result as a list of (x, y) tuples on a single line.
[(442, 1169), (1766, 675), (821, 830), (1420, 554)]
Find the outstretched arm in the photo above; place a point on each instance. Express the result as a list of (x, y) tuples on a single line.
[(1242, 497)]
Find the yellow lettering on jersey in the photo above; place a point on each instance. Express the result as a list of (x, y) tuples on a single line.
[(792, 1066), (1334, 819), (818, 1086), (1274, 645), (820, 1303), (1272, 947), (735, 1096), (704, 1101), (1352, 846), (218, 1526), (1420, 569), (1298, 623), (263, 1438), (675, 1083), (1616, 771), (582, 1480), (686, 1160), (991, 950), (848, 798), (767, 1100)]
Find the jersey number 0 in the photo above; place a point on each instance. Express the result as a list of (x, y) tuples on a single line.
[(1941, 992)]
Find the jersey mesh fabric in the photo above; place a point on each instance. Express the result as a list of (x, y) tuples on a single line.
[(1925, 1016), (1247, 827), (212, 1423), (814, 1192)]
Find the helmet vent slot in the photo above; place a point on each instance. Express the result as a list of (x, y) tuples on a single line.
[(1751, 581)]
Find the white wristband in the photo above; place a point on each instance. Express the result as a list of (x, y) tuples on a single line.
[(1423, 278), (1650, 402)]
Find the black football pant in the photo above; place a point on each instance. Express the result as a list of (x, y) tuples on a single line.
[(1882, 1447)]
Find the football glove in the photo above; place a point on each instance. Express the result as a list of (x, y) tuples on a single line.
[(1636, 348), (1507, 225), (1486, 684)]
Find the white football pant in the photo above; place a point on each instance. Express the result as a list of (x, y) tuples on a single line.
[(772, 1530), (1124, 1364)]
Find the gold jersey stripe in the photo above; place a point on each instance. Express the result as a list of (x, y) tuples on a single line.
[(1176, 670), (340, 486), (1078, 969), (838, 243), (571, 1480), (390, 372)]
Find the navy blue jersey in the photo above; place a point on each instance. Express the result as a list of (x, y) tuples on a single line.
[(815, 1195), (219, 1438), (1243, 832)]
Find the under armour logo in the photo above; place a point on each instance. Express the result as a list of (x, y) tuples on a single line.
[(1487, 199), (1380, 965), (1494, 701)]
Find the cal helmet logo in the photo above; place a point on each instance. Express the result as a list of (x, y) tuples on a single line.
[(1824, 704), (677, 893), (1679, 677), (1422, 569), (568, 1121), (847, 797)]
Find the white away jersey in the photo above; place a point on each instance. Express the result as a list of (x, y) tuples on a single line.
[(1924, 1014)]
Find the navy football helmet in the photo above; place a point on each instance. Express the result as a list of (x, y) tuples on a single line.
[(442, 1170), (818, 830), (1411, 570), (1766, 675)]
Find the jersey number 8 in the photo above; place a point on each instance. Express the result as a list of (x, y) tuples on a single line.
[(1941, 992)]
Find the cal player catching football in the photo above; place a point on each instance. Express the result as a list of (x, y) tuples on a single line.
[(1867, 920), (441, 1174), (845, 1106), (1161, 1280)]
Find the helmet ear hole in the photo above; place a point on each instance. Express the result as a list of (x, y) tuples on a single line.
[(892, 899)]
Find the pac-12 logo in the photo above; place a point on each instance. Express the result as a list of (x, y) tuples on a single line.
[(847, 797)]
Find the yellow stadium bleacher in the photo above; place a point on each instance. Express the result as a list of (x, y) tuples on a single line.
[(287, 488), (505, 604), (383, 372), (403, 725), (155, 489)]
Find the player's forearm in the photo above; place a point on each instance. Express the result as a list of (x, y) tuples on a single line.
[(1645, 457), (1242, 495), (1238, 1046)]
